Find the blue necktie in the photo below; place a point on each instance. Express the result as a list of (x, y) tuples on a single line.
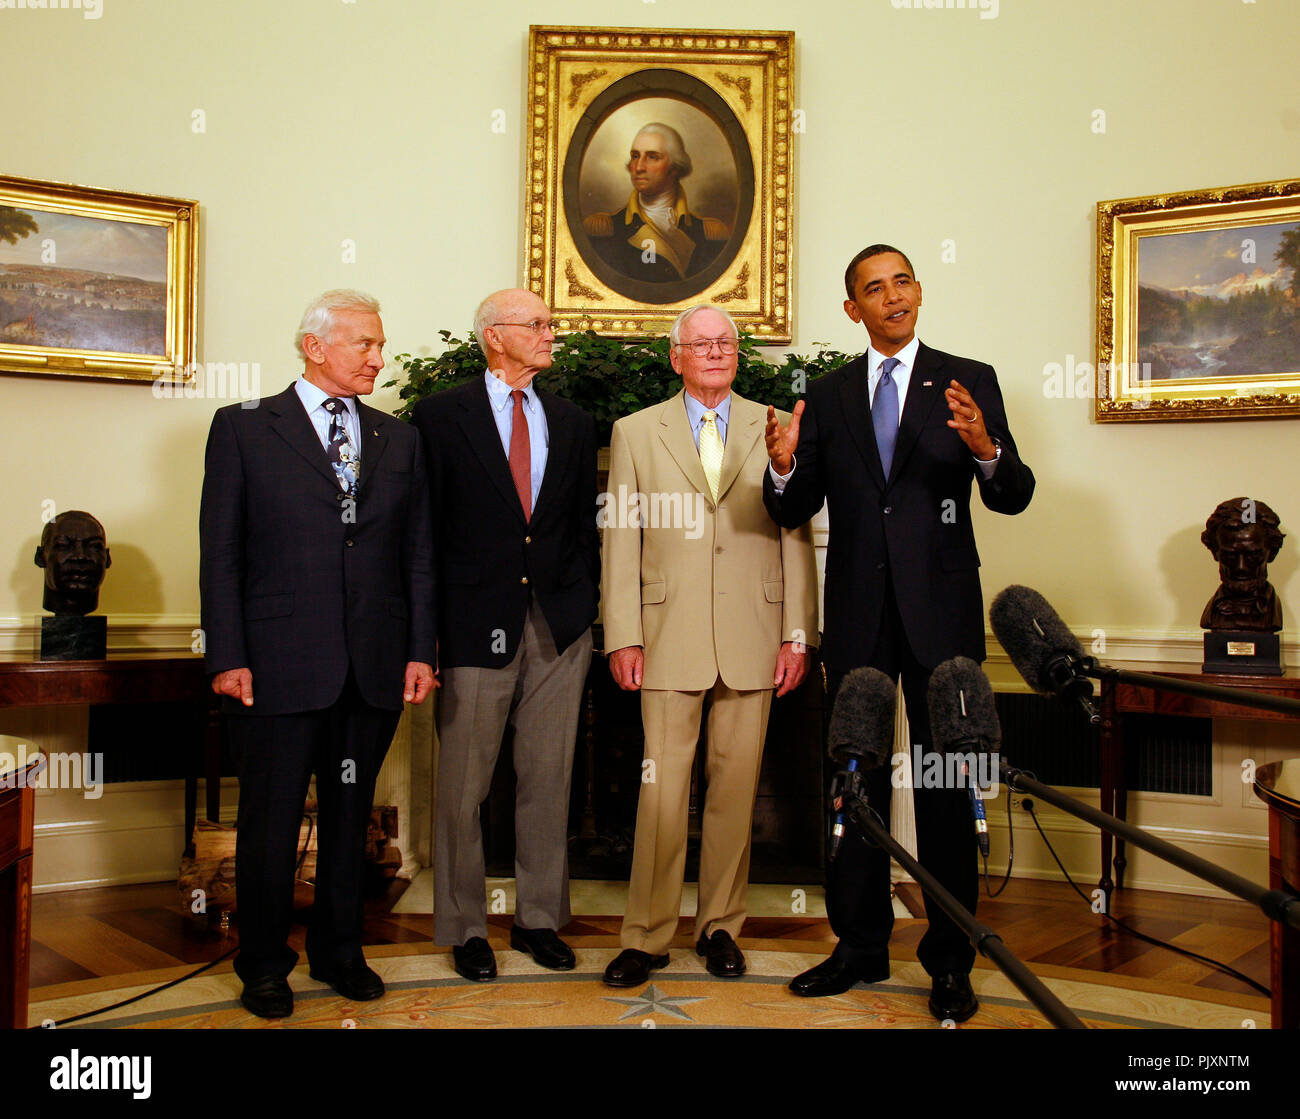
[(342, 454), (884, 413)]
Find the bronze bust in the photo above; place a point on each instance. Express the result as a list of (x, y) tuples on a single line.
[(74, 553), (1244, 537)]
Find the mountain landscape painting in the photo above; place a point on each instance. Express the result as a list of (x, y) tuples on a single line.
[(82, 283), (1219, 303)]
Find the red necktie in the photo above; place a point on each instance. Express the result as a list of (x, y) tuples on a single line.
[(521, 455)]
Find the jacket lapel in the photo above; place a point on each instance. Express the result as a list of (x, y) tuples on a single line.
[(374, 440), (924, 391), (855, 405), (289, 421), (743, 431), (485, 441), (675, 434), (560, 438)]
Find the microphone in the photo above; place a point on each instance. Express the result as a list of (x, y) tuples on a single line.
[(861, 734), (1041, 646), (964, 721)]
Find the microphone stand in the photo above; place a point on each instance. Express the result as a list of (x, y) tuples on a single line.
[(985, 940), (1277, 905), (1263, 700)]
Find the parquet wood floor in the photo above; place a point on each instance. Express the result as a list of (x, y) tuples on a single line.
[(84, 934)]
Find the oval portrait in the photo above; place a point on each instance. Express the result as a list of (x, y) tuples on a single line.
[(658, 186)]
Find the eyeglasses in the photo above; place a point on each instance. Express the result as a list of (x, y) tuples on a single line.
[(536, 326), (701, 347)]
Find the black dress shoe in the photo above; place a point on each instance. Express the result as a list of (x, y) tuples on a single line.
[(268, 997), (951, 997), (355, 981), (474, 960), (835, 975), (721, 955), (545, 946), (632, 967)]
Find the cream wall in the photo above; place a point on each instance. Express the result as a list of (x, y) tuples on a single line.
[(371, 121)]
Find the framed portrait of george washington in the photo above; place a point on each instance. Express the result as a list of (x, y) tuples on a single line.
[(659, 175), (96, 283)]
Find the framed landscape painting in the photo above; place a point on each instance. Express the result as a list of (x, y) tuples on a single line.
[(96, 283), (659, 176), (1198, 304)]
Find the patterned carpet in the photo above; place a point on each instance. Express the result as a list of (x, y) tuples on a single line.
[(425, 993)]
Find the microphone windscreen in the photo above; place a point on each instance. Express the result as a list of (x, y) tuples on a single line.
[(962, 712), (1032, 634), (862, 720)]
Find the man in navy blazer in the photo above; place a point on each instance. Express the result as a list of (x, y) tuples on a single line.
[(892, 441), (317, 593), (512, 483)]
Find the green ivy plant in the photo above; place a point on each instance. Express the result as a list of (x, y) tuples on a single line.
[(614, 377)]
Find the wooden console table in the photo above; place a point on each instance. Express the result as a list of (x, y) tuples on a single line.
[(1278, 785), (1120, 699), (130, 678), (17, 813)]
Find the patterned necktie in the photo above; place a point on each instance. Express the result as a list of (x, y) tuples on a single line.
[(521, 454), (884, 413), (342, 454), (711, 452)]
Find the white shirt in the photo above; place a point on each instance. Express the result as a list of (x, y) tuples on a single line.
[(313, 398)]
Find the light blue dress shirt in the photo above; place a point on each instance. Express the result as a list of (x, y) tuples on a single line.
[(503, 412), (313, 399), (695, 416)]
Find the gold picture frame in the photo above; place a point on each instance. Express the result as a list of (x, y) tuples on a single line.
[(97, 283), (588, 250), (1198, 305)]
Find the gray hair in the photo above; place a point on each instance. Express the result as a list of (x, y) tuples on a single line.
[(489, 311), (318, 319), (675, 335), (675, 148)]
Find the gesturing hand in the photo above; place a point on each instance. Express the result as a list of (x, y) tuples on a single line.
[(968, 422), (782, 441)]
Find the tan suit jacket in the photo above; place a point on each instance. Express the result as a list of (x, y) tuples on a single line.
[(708, 590)]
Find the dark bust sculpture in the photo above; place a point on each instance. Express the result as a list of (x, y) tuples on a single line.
[(74, 553), (1244, 537)]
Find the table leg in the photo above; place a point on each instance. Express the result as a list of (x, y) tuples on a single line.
[(1111, 744)]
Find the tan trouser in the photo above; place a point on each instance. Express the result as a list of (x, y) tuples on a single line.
[(737, 725)]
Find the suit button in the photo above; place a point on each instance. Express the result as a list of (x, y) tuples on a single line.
[(341, 497), (349, 542), (524, 580), (888, 509), (709, 508), (718, 550), (880, 567), (528, 539)]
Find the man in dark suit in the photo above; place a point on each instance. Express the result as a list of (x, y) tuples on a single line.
[(512, 481), (892, 441), (317, 588)]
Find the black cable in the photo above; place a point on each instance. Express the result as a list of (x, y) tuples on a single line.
[(1225, 968), (302, 858), (1011, 855), (142, 994)]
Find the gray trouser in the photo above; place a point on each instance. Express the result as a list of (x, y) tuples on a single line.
[(539, 695)]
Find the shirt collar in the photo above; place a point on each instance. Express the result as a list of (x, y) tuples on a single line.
[(680, 209), (695, 410), (499, 393), (906, 359), (313, 396)]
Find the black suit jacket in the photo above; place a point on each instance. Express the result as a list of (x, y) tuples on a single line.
[(913, 528), (490, 562), (297, 582)]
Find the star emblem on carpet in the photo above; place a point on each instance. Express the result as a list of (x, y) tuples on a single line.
[(654, 1001)]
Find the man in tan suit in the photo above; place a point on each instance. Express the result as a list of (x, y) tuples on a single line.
[(703, 597)]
